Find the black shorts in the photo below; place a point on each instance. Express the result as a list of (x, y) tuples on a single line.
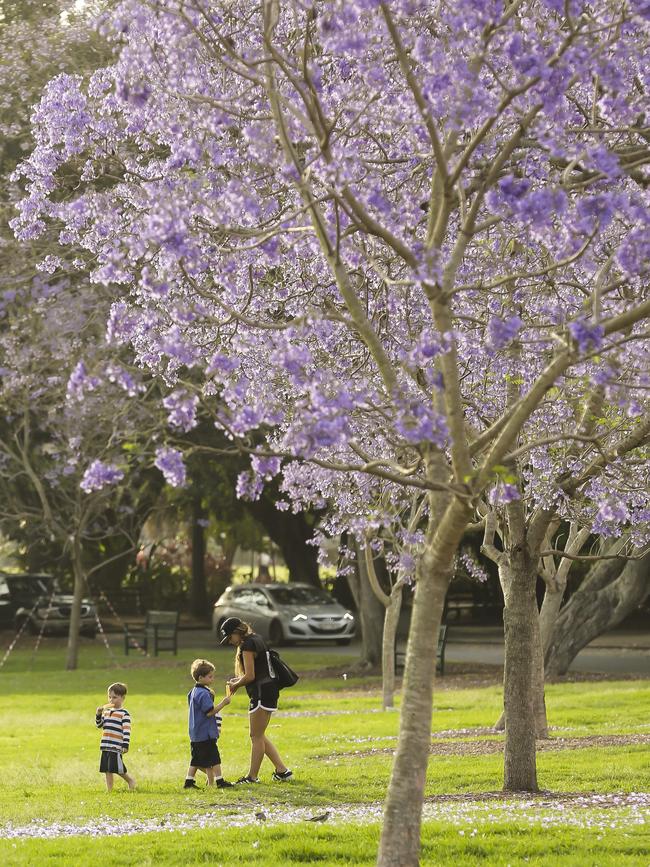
[(264, 695), (205, 754), (111, 763)]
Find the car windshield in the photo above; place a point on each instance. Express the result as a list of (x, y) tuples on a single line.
[(299, 596), (24, 585)]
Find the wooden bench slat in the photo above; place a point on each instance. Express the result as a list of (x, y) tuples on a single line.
[(160, 632)]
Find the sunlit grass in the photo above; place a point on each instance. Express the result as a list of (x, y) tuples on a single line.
[(331, 731)]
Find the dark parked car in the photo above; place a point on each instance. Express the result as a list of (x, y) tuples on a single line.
[(283, 613), (37, 599)]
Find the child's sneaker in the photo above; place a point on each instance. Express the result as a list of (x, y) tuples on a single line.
[(281, 776), (248, 780), (224, 784), (190, 784)]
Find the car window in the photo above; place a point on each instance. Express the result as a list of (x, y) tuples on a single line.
[(22, 585), (258, 598), (299, 596), (243, 597)]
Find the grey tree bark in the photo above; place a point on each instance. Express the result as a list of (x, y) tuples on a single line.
[(72, 653), (392, 603), (370, 612), (610, 592), (400, 837)]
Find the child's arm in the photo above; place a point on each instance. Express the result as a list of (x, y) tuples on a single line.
[(99, 717), (224, 701), (126, 732)]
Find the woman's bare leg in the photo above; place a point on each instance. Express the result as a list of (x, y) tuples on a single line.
[(272, 753), (258, 721)]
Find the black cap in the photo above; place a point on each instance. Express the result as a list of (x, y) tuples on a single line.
[(228, 627)]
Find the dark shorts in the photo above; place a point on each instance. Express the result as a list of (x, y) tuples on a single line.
[(111, 763), (264, 695), (205, 754)]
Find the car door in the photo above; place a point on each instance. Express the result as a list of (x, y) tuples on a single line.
[(6, 607)]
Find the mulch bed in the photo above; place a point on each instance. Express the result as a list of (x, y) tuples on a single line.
[(483, 746)]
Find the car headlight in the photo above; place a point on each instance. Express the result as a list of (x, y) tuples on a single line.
[(300, 617), (348, 616)]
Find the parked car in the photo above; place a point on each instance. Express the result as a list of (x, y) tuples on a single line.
[(284, 613), (38, 600)]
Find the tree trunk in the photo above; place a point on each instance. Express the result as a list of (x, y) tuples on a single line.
[(391, 619), (75, 614), (198, 589), (292, 534), (548, 614), (605, 598), (400, 836), (539, 698), (371, 614), (520, 622)]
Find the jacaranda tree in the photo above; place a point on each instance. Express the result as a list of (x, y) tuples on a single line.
[(380, 235)]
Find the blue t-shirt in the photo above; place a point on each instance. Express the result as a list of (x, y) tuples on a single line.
[(202, 727)]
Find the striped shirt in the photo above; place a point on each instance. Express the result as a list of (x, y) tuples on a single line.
[(116, 729)]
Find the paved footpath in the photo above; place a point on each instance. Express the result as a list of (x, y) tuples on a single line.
[(616, 652)]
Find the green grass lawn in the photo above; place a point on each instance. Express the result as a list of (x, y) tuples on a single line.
[(333, 734)]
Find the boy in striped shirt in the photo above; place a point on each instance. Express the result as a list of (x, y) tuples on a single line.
[(115, 722)]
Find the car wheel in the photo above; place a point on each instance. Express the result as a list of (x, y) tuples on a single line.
[(343, 642), (276, 633)]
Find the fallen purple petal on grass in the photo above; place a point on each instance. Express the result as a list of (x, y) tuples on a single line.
[(601, 812)]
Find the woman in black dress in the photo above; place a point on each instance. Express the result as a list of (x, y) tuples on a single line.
[(252, 671)]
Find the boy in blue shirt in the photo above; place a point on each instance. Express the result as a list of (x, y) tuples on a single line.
[(205, 727)]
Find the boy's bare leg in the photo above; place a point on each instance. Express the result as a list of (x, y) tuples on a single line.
[(210, 775), (109, 782), (191, 772), (128, 779)]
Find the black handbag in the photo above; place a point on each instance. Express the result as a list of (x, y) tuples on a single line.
[(281, 673)]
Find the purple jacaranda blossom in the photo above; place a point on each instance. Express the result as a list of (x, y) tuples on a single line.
[(99, 475), (418, 423), (609, 518), (634, 253), (182, 409), (472, 566), (595, 210), (587, 335), (170, 462), (503, 493), (122, 323), (266, 467), (220, 365), (249, 485), (80, 382), (121, 377), (501, 332)]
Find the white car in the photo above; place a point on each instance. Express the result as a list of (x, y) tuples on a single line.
[(284, 613)]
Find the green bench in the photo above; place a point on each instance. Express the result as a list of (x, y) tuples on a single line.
[(160, 632), (400, 654)]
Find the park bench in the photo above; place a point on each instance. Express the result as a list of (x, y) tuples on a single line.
[(160, 632), (400, 653)]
